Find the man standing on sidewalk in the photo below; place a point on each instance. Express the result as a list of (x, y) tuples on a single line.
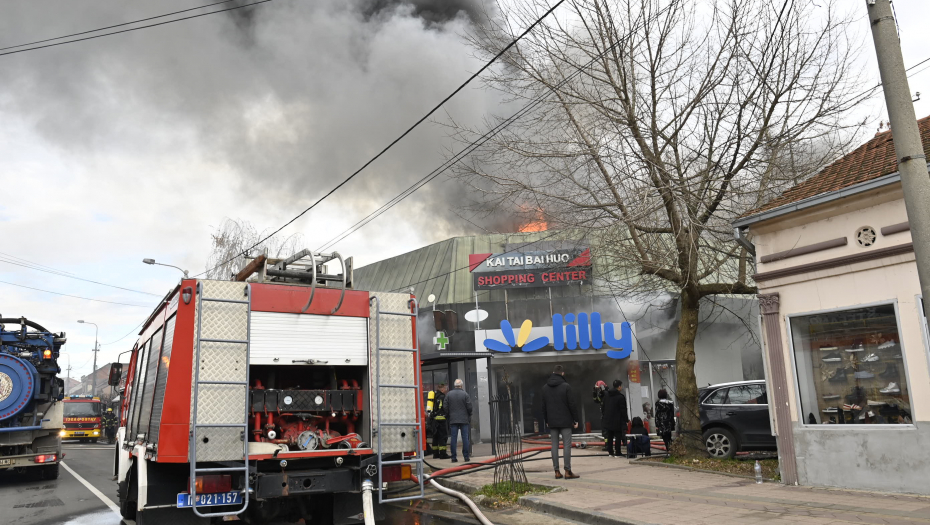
[(615, 419), (561, 416), (458, 405)]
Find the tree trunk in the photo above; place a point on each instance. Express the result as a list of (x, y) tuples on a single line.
[(686, 389)]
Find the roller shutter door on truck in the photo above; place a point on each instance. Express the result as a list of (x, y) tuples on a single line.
[(281, 338)]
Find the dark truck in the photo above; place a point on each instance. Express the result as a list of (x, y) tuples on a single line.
[(30, 398)]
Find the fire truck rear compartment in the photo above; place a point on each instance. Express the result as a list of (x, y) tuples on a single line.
[(309, 407)]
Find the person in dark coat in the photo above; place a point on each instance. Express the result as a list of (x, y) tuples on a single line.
[(615, 419), (458, 406), (109, 425), (560, 413), (436, 408), (665, 418), (639, 444)]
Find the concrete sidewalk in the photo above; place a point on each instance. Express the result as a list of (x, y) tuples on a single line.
[(617, 491)]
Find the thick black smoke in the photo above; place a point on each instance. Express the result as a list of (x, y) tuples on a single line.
[(289, 97), (433, 11)]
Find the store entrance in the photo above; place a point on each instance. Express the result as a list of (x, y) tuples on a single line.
[(654, 376)]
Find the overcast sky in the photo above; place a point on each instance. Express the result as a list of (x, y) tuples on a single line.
[(140, 144)]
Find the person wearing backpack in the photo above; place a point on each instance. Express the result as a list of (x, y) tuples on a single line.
[(665, 418)]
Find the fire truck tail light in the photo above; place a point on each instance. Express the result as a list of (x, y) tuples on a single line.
[(395, 473), (186, 294), (211, 484), (46, 458), (47, 354)]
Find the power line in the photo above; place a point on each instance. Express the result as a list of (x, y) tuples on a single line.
[(41, 268), (74, 296), (115, 25), (132, 29), (398, 139), (125, 336)]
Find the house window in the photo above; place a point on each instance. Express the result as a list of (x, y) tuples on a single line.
[(850, 367)]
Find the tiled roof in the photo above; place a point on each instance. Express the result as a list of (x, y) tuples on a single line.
[(869, 161)]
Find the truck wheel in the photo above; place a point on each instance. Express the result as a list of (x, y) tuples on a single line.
[(127, 497), (51, 471), (127, 509)]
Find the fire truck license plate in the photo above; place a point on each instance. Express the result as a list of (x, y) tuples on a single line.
[(5, 462), (78, 433), (207, 500)]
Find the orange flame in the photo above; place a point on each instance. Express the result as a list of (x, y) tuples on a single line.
[(539, 224)]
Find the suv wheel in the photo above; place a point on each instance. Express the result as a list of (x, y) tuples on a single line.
[(720, 443)]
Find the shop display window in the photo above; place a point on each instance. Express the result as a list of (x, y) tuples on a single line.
[(850, 367)]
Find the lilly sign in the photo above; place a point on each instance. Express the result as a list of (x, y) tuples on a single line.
[(587, 333)]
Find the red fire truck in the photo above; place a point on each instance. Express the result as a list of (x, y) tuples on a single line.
[(280, 395), (82, 418)]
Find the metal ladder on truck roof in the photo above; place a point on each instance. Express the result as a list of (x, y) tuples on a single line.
[(220, 307), (416, 424)]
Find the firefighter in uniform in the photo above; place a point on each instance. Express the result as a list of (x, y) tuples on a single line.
[(436, 410), (109, 425)]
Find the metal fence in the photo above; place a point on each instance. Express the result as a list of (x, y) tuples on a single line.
[(506, 438)]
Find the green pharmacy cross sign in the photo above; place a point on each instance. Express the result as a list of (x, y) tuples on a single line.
[(441, 340)]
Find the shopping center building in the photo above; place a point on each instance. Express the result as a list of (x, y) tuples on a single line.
[(846, 340), (479, 291)]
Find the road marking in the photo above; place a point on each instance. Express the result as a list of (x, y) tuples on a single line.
[(109, 503)]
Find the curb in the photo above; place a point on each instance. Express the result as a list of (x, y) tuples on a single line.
[(589, 517), (643, 461)]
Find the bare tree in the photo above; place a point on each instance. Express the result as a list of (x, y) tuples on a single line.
[(233, 236), (658, 123)]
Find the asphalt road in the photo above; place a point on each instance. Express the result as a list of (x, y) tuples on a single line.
[(69, 500), (65, 500)]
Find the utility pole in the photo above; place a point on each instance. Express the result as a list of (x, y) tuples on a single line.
[(912, 162)]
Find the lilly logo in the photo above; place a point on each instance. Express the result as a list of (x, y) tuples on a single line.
[(519, 341), (589, 332)]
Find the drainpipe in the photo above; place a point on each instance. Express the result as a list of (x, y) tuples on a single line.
[(743, 241)]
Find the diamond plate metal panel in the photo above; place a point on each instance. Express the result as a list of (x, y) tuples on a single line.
[(223, 404), (219, 444), (398, 405), (230, 290), (224, 321), (222, 362)]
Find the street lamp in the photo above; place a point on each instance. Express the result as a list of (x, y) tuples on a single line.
[(94, 378), (152, 261)]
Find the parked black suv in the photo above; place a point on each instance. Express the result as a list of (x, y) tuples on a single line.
[(735, 418)]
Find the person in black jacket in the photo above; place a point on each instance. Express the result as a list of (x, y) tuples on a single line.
[(615, 419), (665, 418), (560, 414), (639, 444)]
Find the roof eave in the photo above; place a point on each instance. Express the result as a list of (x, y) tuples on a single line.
[(817, 200)]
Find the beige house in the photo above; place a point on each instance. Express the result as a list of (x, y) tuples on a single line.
[(846, 343)]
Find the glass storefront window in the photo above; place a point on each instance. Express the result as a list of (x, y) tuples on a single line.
[(850, 367)]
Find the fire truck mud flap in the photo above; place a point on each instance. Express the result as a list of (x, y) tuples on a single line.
[(299, 482)]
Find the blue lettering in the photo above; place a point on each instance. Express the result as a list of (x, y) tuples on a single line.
[(584, 340), (596, 340), (558, 337), (571, 337), (624, 344)]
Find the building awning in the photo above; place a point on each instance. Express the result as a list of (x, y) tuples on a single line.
[(453, 357)]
